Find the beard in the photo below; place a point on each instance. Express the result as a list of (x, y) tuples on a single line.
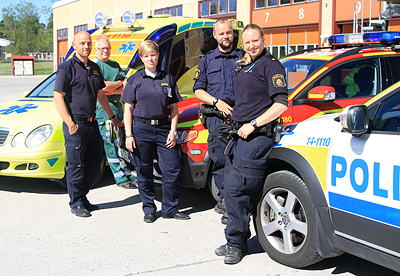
[(227, 44)]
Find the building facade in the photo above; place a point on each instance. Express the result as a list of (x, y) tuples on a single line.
[(289, 25)]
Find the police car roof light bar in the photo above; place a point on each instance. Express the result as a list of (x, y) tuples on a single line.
[(386, 38)]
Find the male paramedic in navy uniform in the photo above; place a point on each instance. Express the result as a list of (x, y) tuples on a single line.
[(214, 85), (78, 85)]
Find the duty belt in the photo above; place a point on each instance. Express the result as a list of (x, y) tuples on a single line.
[(152, 121), (207, 111), (84, 119), (272, 129)]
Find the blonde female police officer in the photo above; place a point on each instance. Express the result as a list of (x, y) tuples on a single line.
[(151, 96), (260, 97)]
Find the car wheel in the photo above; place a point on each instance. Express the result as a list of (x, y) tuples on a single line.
[(213, 188), (63, 181), (284, 222)]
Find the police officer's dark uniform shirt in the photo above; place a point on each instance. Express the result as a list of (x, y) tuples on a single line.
[(80, 85), (216, 75), (151, 96), (262, 80)]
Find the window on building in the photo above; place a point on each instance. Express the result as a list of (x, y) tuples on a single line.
[(216, 7), (174, 11), (213, 7), (139, 16), (204, 8), (258, 4), (222, 6), (109, 22), (80, 28), (62, 34), (232, 6)]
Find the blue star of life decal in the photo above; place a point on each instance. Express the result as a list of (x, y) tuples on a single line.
[(125, 47), (17, 108)]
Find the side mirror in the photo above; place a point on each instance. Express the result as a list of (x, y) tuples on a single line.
[(322, 93), (355, 120)]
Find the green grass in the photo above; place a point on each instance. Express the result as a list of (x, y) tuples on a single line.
[(41, 67)]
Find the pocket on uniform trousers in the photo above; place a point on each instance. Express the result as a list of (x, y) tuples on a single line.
[(133, 158), (74, 152), (253, 168)]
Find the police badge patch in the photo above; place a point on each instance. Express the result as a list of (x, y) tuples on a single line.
[(196, 74), (278, 80)]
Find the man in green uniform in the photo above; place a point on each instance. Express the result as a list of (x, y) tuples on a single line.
[(115, 81)]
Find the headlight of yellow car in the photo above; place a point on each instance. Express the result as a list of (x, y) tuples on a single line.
[(38, 136), (18, 139)]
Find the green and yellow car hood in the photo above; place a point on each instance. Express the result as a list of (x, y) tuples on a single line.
[(25, 115)]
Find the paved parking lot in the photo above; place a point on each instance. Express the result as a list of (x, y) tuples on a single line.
[(39, 235)]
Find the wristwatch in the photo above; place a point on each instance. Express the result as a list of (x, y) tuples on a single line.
[(112, 117), (215, 101), (253, 123), (174, 132)]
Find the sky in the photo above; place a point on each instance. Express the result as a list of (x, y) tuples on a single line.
[(37, 3)]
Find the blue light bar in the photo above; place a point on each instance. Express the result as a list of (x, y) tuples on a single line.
[(388, 37), (335, 39), (371, 37)]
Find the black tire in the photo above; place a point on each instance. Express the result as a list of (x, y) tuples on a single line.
[(63, 181), (286, 230), (213, 188)]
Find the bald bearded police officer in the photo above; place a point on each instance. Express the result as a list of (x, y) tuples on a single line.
[(214, 86)]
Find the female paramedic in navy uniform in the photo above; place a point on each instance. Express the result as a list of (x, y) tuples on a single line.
[(260, 98), (151, 96)]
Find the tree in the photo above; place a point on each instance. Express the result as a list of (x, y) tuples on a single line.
[(21, 26)]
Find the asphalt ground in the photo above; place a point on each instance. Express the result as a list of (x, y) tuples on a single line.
[(40, 236)]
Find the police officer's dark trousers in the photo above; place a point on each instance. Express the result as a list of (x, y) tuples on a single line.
[(244, 177), (84, 150), (150, 140), (216, 148)]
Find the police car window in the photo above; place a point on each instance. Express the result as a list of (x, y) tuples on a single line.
[(44, 89), (393, 70), (298, 70), (388, 115), (354, 79)]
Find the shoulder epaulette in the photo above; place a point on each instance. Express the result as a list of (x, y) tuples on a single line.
[(271, 57)]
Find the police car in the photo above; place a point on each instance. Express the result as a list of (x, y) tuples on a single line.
[(354, 69), (31, 138), (333, 186)]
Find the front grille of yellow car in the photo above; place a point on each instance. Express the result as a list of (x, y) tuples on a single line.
[(4, 132)]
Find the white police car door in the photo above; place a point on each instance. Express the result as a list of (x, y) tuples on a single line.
[(363, 177)]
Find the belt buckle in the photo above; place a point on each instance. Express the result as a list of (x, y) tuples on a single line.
[(154, 122), (90, 119)]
